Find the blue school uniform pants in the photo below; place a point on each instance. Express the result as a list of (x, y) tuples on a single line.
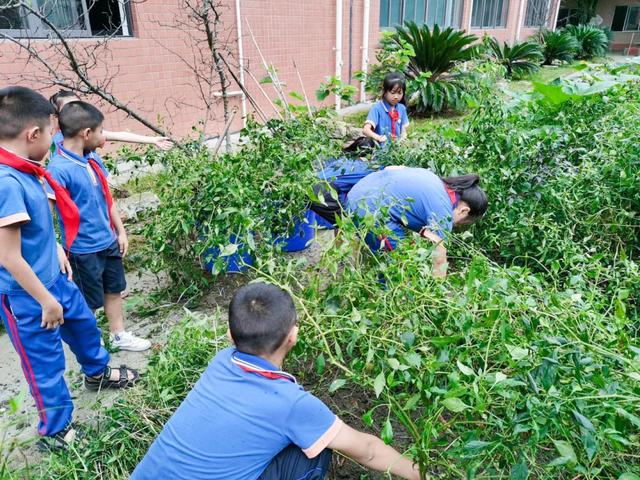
[(40, 350)]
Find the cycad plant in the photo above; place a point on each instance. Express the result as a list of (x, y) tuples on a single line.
[(593, 40), (432, 84), (520, 60), (559, 45)]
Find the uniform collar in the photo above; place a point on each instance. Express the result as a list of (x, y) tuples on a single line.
[(387, 107), (259, 366), (69, 155)]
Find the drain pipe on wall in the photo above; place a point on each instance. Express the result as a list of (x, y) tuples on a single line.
[(338, 46), (520, 20), (241, 63), (365, 47)]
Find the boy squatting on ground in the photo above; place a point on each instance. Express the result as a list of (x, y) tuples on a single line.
[(246, 419), (38, 304), (96, 254)]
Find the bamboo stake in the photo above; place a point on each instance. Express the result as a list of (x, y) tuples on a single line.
[(304, 92), (271, 72), (246, 92), (265, 94), (225, 131)]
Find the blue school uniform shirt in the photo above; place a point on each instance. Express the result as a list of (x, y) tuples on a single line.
[(414, 198), (75, 174), (234, 422), (381, 121), (23, 199), (343, 173)]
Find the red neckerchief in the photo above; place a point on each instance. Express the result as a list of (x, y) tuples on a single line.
[(453, 196), (103, 183), (242, 360), (67, 209), (394, 118)]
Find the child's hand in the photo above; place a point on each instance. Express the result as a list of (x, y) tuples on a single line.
[(163, 143), (123, 243), (382, 138), (65, 266), (52, 315)]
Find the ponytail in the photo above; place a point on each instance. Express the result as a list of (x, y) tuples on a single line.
[(361, 146), (468, 190)]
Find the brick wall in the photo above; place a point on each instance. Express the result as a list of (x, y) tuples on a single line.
[(152, 78)]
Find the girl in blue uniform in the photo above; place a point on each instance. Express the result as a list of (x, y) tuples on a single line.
[(416, 199), (387, 119)]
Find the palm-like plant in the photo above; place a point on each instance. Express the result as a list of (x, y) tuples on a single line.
[(437, 51), (593, 41), (519, 60), (558, 45)]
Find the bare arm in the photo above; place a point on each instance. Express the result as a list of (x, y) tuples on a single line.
[(121, 233), (405, 131), (161, 142), (439, 253), (11, 259), (372, 452), (368, 131)]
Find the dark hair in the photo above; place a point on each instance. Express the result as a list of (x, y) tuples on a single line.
[(76, 116), (466, 186), (261, 316), (56, 97), (393, 80), (21, 107), (361, 146)]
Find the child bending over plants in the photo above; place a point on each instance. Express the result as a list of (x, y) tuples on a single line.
[(388, 118), (246, 419), (416, 199)]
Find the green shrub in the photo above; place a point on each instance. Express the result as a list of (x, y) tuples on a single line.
[(433, 83), (558, 46), (254, 194), (519, 60), (593, 40)]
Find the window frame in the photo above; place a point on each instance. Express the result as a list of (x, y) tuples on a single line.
[(504, 17), (546, 18), (455, 7), (625, 28), (36, 30)]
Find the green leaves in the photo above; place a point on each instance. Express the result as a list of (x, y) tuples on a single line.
[(567, 454), (454, 404)]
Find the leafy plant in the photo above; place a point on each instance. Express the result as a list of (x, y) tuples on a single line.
[(520, 59), (593, 40), (334, 86), (434, 85), (558, 46)]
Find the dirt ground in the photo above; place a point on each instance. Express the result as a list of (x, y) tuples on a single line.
[(20, 429)]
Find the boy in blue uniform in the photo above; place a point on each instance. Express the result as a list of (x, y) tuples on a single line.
[(388, 118), (246, 419), (39, 305), (96, 254)]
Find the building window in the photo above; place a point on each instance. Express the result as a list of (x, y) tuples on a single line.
[(537, 13), (567, 16), (489, 13), (626, 19), (75, 18), (445, 13)]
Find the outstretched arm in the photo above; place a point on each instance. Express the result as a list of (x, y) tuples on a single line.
[(373, 453), (161, 142)]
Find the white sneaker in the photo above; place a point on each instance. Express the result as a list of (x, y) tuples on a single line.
[(128, 341)]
